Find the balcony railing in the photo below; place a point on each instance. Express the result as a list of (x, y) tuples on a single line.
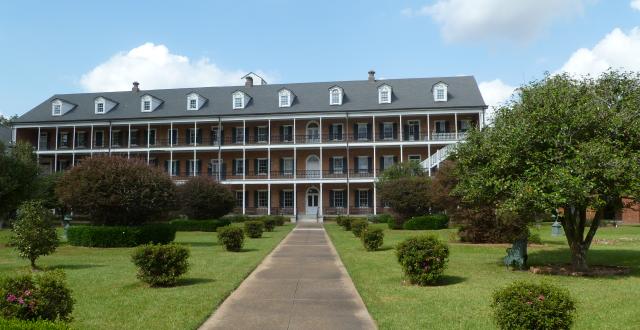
[(276, 175)]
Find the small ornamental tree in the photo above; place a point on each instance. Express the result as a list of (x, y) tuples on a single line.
[(33, 233), (203, 198), (565, 143), (407, 196), (116, 191)]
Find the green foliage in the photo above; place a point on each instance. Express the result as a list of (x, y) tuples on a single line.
[(231, 237), (534, 238), (427, 222), (44, 190), (236, 218), (372, 238), (116, 191), (18, 173), (43, 295), (344, 221), (120, 236), (524, 305), (483, 225), (407, 196), (33, 233), (254, 228), (199, 225), (402, 170), (269, 222), (278, 220), (381, 218), (423, 258), (358, 226), (564, 143), (17, 324), (161, 265), (203, 198)]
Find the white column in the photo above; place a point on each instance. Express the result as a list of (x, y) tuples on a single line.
[(91, 140), (481, 119), (269, 157), (320, 204), (269, 199), (401, 140), (294, 130), (170, 167), (295, 200), (38, 139), (73, 148), (55, 155), (195, 143), (110, 137), (321, 163), (429, 157), (428, 127), (455, 116), (375, 199), (219, 142), (148, 142), (244, 198), (373, 125), (400, 126), (129, 141)]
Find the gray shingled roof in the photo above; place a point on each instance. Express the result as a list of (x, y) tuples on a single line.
[(359, 95)]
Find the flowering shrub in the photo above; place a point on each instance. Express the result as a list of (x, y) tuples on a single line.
[(231, 237), (423, 258), (161, 265), (524, 305), (358, 226), (372, 238), (254, 229), (40, 296)]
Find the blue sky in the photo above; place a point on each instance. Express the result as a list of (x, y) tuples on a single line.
[(51, 47)]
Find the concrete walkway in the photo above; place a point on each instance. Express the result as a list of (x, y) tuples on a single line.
[(302, 284)]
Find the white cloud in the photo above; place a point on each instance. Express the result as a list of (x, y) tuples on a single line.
[(635, 4), (617, 50), (495, 93), (519, 20), (154, 66)]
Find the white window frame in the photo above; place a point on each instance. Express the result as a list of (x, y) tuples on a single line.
[(366, 131), (265, 134), (363, 164), (440, 92), (340, 169), (366, 198), (463, 123), (238, 95), (239, 162), (415, 158), (262, 162), (387, 125), (443, 125), (173, 168), (239, 137), (134, 130), (155, 136), (100, 107), (285, 170), (284, 95), (56, 108), (192, 103), (143, 105), (170, 140), (263, 196), (113, 134), (388, 161), (64, 134), (337, 91), (341, 199), (95, 134), (335, 136), (284, 128), (239, 201), (411, 123), (385, 89), (78, 134), (284, 198)]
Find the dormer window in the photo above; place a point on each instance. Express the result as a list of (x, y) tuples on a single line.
[(195, 101), (193, 104), (284, 98), (59, 107), (238, 100), (440, 92), (146, 105), (149, 103), (56, 109), (100, 107), (103, 105), (384, 94), (335, 96)]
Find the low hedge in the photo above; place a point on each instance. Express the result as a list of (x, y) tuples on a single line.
[(120, 236), (427, 222), (269, 222), (235, 218), (381, 218), (16, 324), (200, 225)]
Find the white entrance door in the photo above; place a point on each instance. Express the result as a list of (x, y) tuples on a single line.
[(312, 201), (313, 133), (313, 167)]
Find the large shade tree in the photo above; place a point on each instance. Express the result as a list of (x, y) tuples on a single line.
[(18, 173), (565, 143)]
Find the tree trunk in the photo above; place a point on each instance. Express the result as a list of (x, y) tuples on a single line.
[(33, 264), (579, 257)]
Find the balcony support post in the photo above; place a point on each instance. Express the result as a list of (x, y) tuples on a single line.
[(269, 157), (220, 139), (321, 163), (149, 143), (428, 128), (320, 204), (244, 199), (195, 143), (346, 128), (73, 148), (269, 199), (91, 140), (55, 155), (295, 200), (170, 167), (429, 157), (455, 118), (129, 141)]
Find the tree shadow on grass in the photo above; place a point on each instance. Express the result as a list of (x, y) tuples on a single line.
[(72, 266), (384, 248), (604, 257), (203, 244), (193, 281), (248, 250), (450, 280)]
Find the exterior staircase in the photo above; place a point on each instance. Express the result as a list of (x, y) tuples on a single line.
[(437, 158)]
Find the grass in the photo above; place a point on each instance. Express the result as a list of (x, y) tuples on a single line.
[(108, 295), (461, 300)]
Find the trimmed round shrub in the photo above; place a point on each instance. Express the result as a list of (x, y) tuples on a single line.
[(231, 237), (33, 232), (381, 218), (17, 324), (43, 295), (524, 305), (280, 220), (199, 225), (269, 222), (345, 222), (372, 238), (161, 265), (358, 226), (254, 228), (202, 198), (116, 191), (423, 258), (119, 236), (427, 222)]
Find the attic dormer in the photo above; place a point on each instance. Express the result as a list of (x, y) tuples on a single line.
[(440, 92), (195, 101), (59, 107), (285, 98), (335, 95), (149, 103), (103, 105), (240, 99), (384, 94)]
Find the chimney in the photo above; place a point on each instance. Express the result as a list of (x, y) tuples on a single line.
[(248, 81), (135, 87), (372, 75)]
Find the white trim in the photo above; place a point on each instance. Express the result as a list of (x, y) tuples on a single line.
[(340, 93), (384, 88), (242, 96), (282, 93)]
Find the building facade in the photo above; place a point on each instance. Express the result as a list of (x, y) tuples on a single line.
[(305, 149)]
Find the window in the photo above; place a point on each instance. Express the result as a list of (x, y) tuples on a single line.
[(441, 126), (262, 166), (363, 164), (133, 137), (284, 98), (261, 135), (239, 164), (100, 107), (193, 104), (152, 137), (115, 138), (335, 132), (175, 168), (215, 136), (287, 166), (338, 165), (440, 92), (263, 198), (99, 139), (173, 136), (335, 96), (384, 94), (338, 198), (57, 109), (81, 139), (64, 140), (387, 161), (413, 130), (238, 100), (387, 131), (415, 158), (363, 131), (239, 198), (239, 135), (363, 198), (193, 138), (464, 125), (287, 198), (146, 105), (287, 133), (193, 167)]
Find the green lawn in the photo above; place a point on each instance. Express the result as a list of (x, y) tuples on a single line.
[(108, 295), (462, 300)]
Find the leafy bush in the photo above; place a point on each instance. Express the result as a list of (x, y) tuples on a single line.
[(199, 225), (231, 237), (427, 222), (203, 198), (42, 295), (534, 238), (161, 265), (524, 305), (235, 218), (18, 175), (372, 238), (344, 221), (358, 226), (423, 258), (280, 219), (381, 218), (120, 236), (116, 191), (17, 324), (407, 196), (269, 222), (482, 225), (33, 233), (254, 228)]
